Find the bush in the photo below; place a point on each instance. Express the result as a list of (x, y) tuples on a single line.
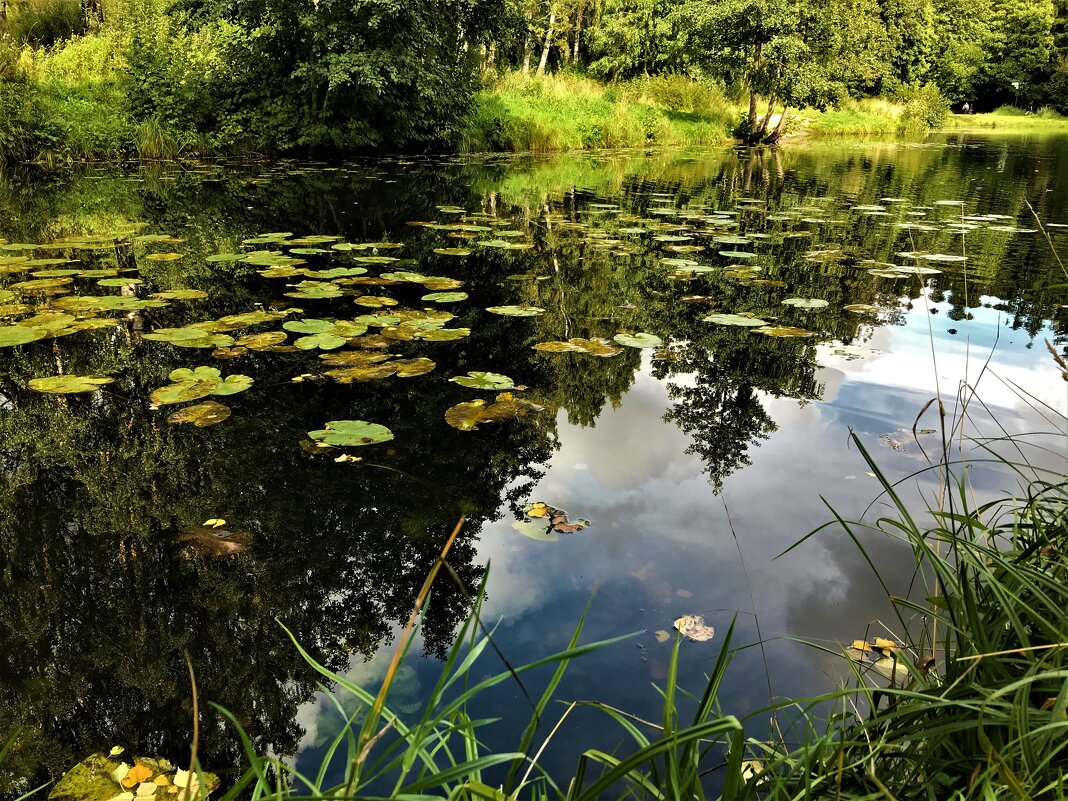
[(925, 108)]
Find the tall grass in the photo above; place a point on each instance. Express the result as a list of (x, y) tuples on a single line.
[(566, 112)]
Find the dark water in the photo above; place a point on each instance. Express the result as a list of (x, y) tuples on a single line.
[(101, 598)]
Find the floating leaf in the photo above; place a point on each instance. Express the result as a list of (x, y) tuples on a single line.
[(734, 319), (477, 379), (444, 334), (375, 301), (181, 294), (861, 308), (223, 258), (233, 384), (371, 372), (516, 311), (164, 256), (542, 532), (201, 415), (452, 251), (445, 297), (468, 416), (693, 627), (321, 341), (806, 303), (639, 340), (11, 335), (260, 341), (184, 391), (410, 368), (783, 331), (351, 432), (353, 358), (661, 636), (559, 347), (67, 384)]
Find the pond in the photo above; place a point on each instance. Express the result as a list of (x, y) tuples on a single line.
[(672, 347)]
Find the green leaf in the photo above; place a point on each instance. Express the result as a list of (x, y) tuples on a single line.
[(477, 379), (516, 311), (445, 297), (351, 432), (639, 340), (67, 384), (11, 335), (201, 415)]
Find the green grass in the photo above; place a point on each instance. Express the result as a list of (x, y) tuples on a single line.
[(1010, 118), (562, 112)]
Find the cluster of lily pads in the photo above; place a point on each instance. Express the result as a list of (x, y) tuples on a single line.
[(60, 290)]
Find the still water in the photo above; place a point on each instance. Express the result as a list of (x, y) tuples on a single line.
[(696, 460)]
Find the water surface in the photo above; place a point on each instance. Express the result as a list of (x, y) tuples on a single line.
[(697, 462)]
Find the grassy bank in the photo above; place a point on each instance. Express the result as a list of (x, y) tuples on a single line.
[(562, 112), (1009, 118)]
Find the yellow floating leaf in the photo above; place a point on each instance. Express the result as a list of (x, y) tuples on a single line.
[(215, 522), (693, 626), (138, 773), (537, 510), (145, 789), (861, 645), (116, 750), (886, 645), (662, 636)]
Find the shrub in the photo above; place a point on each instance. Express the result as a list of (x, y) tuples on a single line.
[(925, 108)]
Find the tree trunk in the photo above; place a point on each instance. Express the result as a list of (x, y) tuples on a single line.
[(548, 41), (3, 10), (92, 14), (578, 32), (775, 135), (758, 135), (491, 55)]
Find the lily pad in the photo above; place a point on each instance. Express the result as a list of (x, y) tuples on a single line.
[(556, 346), (325, 341), (734, 319), (809, 304), (181, 294), (452, 251), (785, 331), (639, 340), (516, 311), (68, 384), (861, 308), (201, 415), (11, 335), (444, 297), (375, 301), (182, 391), (476, 379), (260, 341), (444, 334), (351, 432), (536, 530), (233, 384), (164, 256), (468, 416)]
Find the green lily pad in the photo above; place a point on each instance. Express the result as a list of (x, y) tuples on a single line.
[(375, 301), (267, 339), (354, 358), (233, 384), (67, 384), (42, 284), (351, 432), (861, 308), (181, 294), (201, 415), (444, 297), (362, 372), (183, 391), (444, 334), (737, 254), (326, 341), (11, 335), (809, 304), (469, 415), (410, 368), (556, 346), (639, 340), (734, 319), (164, 256), (516, 311), (536, 530), (194, 374), (315, 290), (476, 379), (452, 251), (786, 331)]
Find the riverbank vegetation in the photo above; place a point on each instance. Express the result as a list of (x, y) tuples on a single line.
[(106, 79)]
